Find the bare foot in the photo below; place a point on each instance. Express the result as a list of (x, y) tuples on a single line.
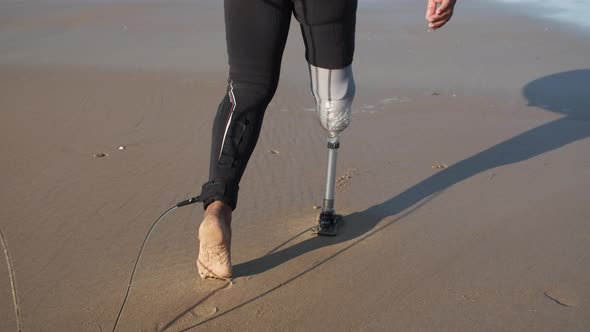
[(215, 242)]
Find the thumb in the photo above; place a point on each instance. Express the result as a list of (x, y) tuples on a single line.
[(431, 8)]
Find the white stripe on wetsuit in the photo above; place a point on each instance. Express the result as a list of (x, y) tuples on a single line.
[(232, 100), (331, 84)]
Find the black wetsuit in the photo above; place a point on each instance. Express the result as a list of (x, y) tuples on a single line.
[(256, 32)]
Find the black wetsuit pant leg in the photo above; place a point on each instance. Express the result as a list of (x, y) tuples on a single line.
[(328, 29), (256, 33)]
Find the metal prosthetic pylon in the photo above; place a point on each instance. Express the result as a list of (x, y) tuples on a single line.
[(328, 219)]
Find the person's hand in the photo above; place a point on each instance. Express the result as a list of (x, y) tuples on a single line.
[(437, 17)]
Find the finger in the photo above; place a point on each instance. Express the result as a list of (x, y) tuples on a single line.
[(443, 17), (445, 6), (441, 12), (430, 8), (435, 26), (438, 24)]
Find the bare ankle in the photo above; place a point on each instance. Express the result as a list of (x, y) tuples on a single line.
[(219, 209)]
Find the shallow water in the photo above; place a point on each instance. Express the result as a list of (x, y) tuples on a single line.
[(575, 12)]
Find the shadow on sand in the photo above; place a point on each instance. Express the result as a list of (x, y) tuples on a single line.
[(566, 93)]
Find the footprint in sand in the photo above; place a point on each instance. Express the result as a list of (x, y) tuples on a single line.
[(205, 312)]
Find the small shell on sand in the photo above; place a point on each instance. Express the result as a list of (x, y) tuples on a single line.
[(440, 166), (100, 155)]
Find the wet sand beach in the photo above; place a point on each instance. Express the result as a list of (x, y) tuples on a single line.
[(463, 178)]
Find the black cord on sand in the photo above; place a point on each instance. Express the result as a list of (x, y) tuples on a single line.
[(13, 279), (181, 204), (12, 282)]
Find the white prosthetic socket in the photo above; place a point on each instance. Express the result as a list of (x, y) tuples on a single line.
[(334, 91)]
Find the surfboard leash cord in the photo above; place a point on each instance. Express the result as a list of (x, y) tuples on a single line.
[(11, 274), (12, 282), (189, 201)]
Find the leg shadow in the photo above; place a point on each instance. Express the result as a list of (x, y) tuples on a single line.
[(567, 93)]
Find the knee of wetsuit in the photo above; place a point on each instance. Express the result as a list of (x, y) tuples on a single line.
[(334, 91), (253, 90)]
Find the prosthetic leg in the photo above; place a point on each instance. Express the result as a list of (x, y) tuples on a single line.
[(328, 219), (334, 92)]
